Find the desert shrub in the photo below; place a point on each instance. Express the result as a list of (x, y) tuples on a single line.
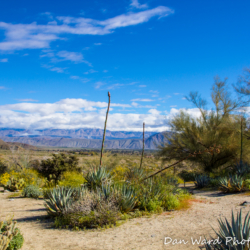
[(72, 179), (28, 177), (170, 202), (187, 176), (31, 191), (93, 210), (53, 168), (15, 184), (3, 167), (4, 178)]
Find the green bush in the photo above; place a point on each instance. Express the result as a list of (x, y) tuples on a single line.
[(170, 202), (32, 191), (54, 168)]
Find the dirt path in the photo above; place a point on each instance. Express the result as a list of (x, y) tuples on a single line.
[(139, 233)]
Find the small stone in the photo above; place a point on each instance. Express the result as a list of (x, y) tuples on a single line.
[(153, 235)]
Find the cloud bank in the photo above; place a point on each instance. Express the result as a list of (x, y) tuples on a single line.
[(81, 113)]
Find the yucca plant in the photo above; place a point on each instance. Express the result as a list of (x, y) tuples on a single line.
[(201, 181), (232, 236), (97, 178), (59, 200)]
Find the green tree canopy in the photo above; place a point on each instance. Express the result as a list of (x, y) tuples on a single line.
[(213, 128)]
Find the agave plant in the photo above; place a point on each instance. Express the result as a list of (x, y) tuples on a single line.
[(97, 178), (233, 183), (135, 174), (242, 169), (234, 236), (201, 181), (59, 200), (127, 199)]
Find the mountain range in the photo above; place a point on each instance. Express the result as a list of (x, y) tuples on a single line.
[(82, 138)]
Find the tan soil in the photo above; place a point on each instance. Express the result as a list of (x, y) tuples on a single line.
[(140, 233)]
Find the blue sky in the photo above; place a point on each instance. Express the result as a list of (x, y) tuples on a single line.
[(58, 59)]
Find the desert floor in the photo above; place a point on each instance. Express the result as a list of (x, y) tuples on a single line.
[(139, 233)]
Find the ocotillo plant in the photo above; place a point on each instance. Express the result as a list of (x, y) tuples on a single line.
[(142, 154), (104, 132)]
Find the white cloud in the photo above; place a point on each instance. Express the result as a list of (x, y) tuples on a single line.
[(2, 87), (141, 100), (4, 60), (142, 86), (105, 71), (80, 113), (154, 112), (173, 106), (97, 44), (135, 4), (39, 36)]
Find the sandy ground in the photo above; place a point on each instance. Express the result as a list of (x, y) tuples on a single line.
[(140, 233)]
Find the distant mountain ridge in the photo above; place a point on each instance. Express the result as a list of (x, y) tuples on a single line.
[(84, 133), (77, 138)]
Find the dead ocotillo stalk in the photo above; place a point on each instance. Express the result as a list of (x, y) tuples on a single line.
[(104, 132), (142, 154)]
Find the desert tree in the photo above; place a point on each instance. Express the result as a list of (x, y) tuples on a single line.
[(217, 127)]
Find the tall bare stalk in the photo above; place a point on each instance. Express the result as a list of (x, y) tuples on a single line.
[(142, 154), (104, 132)]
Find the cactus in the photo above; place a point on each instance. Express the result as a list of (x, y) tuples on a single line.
[(236, 232), (59, 200), (7, 231), (15, 184)]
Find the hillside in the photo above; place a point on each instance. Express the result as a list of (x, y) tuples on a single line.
[(150, 143)]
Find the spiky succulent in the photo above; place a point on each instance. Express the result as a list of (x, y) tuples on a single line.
[(98, 177), (234, 183), (232, 236), (201, 181), (127, 198), (59, 200)]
